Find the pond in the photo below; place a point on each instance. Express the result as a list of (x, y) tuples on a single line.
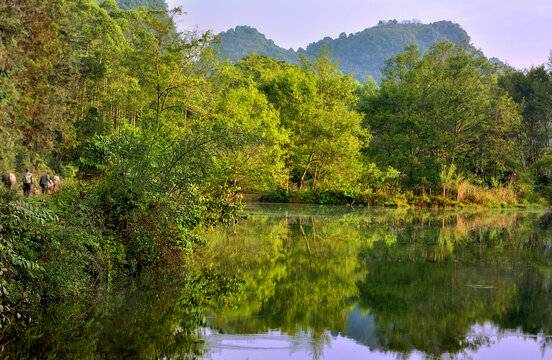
[(325, 282)]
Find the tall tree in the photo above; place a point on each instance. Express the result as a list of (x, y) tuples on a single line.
[(33, 94), (532, 90), (315, 104), (441, 109), (254, 159)]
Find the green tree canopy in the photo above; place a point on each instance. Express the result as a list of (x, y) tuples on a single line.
[(442, 108), (315, 103), (532, 90)]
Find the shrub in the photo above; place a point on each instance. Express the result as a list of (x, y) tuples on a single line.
[(154, 190), (42, 255)]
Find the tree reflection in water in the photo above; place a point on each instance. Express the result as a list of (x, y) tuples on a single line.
[(394, 280), (149, 317)]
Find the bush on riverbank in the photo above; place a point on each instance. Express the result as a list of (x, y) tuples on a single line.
[(153, 189), (44, 254), (62, 245), (459, 195)]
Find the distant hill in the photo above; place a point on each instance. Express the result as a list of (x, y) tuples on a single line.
[(244, 40), (363, 53), (133, 4)]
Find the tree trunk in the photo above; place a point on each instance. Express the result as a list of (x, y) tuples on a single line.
[(305, 172)]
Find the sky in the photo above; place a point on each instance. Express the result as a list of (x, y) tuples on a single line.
[(517, 32)]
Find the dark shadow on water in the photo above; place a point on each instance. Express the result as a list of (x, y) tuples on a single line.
[(151, 316)]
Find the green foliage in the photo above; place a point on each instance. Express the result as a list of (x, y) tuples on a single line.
[(43, 255), (134, 4), (253, 160), (532, 91), (329, 197), (154, 188), (377, 179), (242, 41), (315, 103), (33, 79), (441, 109)]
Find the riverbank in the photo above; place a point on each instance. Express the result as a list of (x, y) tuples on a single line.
[(473, 197), (83, 236), (63, 245)]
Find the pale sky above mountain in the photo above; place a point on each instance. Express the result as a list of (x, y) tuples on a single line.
[(517, 32)]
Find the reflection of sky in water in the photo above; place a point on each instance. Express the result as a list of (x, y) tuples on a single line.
[(361, 343), (508, 344), (275, 345)]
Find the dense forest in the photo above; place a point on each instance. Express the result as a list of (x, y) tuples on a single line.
[(134, 4), (156, 138), (363, 53), (244, 40)]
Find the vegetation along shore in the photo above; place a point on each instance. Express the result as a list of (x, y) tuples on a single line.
[(156, 134)]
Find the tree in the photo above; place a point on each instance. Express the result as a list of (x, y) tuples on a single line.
[(442, 108), (315, 104), (166, 65), (253, 160), (32, 92), (532, 91)]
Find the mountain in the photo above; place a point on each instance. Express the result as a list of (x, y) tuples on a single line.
[(244, 40), (363, 53), (133, 4)]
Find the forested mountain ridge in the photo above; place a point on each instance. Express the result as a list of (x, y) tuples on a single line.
[(134, 4), (244, 40), (363, 53)]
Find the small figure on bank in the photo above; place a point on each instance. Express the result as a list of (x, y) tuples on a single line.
[(27, 182), (50, 185), (9, 181), (57, 182), (44, 182)]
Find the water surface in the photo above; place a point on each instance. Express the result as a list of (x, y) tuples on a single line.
[(317, 282), (335, 283)]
